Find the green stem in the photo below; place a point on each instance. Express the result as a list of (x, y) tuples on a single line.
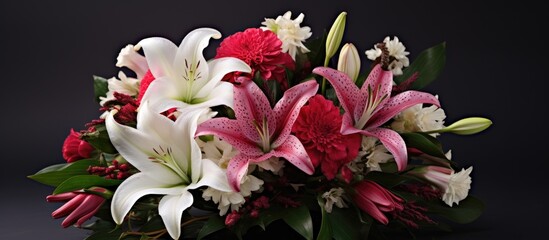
[(323, 89)]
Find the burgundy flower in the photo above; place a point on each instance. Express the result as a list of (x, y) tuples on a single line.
[(80, 206), (144, 85), (318, 128), (376, 200), (260, 49), (75, 148)]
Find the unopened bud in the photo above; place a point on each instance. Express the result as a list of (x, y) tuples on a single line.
[(468, 126), (349, 61), (335, 35)]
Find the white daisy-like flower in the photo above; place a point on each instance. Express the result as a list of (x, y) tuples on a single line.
[(289, 32), (233, 200), (334, 196), (419, 119), (130, 58), (217, 150), (371, 154), (124, 84), (396, 52)]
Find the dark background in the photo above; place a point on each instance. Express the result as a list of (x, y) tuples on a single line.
[(496, 61)]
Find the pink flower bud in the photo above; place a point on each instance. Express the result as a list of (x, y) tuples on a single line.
[(376, 200), (75, 148), (80, 207)]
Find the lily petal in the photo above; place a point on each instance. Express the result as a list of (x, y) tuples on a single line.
[(171, 209), (287, 108), (136, 147), (222, 94), (162, 95), (135, 187), (218, 68), (400, 102), (393, 142), (188, 154), (229, 131), (251, 108), (346, 90), (381, 84), (213, 176), (293, 151), (237, 168), (160, 54)]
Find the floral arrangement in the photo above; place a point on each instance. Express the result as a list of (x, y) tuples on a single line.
[(274, 128)]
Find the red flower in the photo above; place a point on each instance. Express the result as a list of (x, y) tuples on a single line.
[(318, 128), (376, 200), (259, 49), (144, 85), (75, 148), (79, 207)]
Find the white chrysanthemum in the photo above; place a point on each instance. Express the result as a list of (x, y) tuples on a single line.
[(125, 85), (274, 165), (334, 196), (458, 187), (289, 32), (233, 200), (396, 50), (419, 119), (219, 151), (371, 154), (130, 58)]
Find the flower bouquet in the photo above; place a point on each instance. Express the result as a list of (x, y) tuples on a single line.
[(274, 129)]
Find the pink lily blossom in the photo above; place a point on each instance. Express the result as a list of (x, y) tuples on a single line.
[(376, 200), (366, 109), (261, 132)]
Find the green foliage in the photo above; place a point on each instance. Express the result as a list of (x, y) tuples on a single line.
[(99, 139), (428, 64), (56, 174), (85, 181), (424, 143), (300, 220), (100, 87), (466, 211), (214, 224), (317, 49)]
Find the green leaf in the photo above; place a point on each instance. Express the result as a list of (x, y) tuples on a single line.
[(99, 139), (428, 64), (424, 143), (300, 220), (214, 224), (155, 223), (325, 232), (467, 211), (107, 235), (317, 49), (100, 87), (388, 180), (56, 174), (345, 223), (100, 226), (84, 181)]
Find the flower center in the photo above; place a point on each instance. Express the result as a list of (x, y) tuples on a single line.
[(264, 134), (190, 74), (372, 103), (165, 157)]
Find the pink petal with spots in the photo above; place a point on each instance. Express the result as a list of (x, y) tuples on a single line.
[(252, 106), (381, 84), (293, 151), (238, 166), (346, 90), (399, 103), (347, 126), (229, 131), (393, 142), (288, 107)]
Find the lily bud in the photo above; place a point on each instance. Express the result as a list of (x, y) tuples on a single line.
[(468, 126), (335, 35), (349, 61)]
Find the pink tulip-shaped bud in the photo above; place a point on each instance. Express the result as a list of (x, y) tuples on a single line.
[(376, 200), (80, 206), (75, 148)]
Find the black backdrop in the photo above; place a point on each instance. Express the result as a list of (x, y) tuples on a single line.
[(496, 57)]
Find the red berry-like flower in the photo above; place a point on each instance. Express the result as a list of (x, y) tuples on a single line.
[(261, 50), (318, 128), (75, 148), (144, 85)]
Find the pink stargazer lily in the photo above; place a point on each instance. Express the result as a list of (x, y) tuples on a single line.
[(366, 109), (260, 132)]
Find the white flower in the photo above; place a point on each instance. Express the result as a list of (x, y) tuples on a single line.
[(289, 32), (396, 50), (419, 119), (169, 161), (183, 78), (458, 187), (233, 200), (125, 85), (455, 186), (334, 196), (219, 151), (128, 57), (373, 152), (274, 165)]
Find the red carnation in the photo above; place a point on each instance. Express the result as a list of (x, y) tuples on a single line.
[(75, 148), (144, 85), (318, 128), (261, 50)]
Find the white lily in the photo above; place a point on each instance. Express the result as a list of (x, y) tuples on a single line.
[(170, 163), (183, 77)]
